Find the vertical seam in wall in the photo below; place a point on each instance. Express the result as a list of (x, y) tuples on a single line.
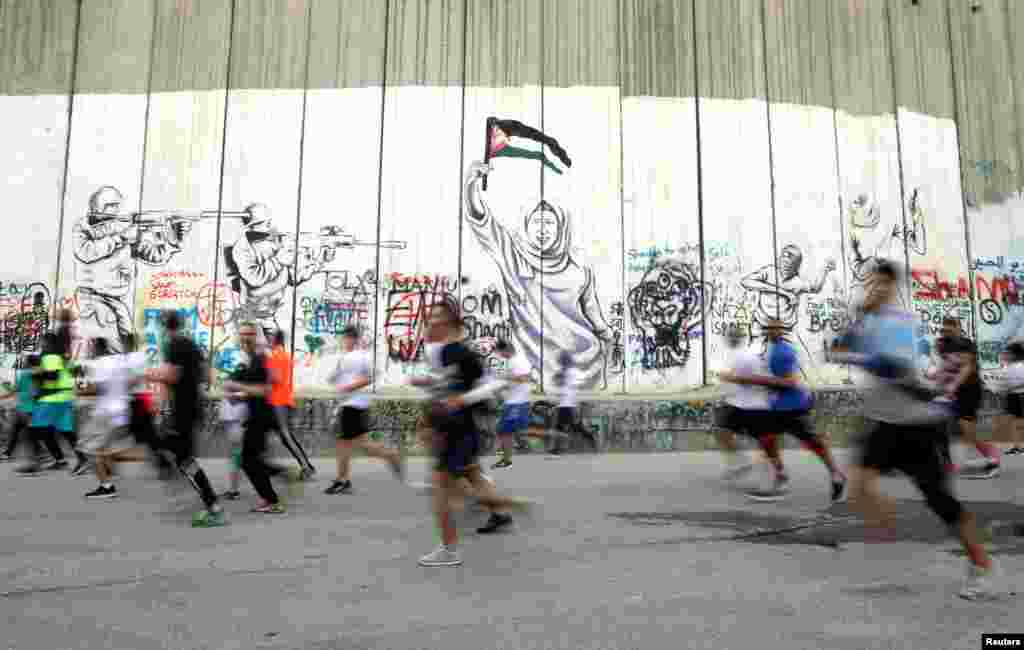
[(298, 194), (377, 291), (462, 142), (215, 318), (960, 167), (67, 155), (771, 152), (839, 177), (622, 203), (1012, 52), (700, 201), (543, 78), (899, 154), (145, 145)]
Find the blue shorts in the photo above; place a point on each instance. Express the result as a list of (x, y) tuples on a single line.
[(58, 415), (514, 418), (457, 454)]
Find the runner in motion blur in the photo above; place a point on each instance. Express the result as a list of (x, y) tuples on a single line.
[(907, 425)]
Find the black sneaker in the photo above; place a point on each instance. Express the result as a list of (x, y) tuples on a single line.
[(988, 469), (339, 487), (494, 524), (1014, 451), (504, 462), (56, 466), (838, 488), (102, 493), (30, 470), (308, 474), (231, 495)]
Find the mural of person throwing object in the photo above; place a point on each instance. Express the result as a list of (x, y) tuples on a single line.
[(548, 290), (779, 293)]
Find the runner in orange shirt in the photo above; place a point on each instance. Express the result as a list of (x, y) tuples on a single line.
[(282, 399)]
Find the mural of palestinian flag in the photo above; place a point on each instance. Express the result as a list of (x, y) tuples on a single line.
[(501, 136)]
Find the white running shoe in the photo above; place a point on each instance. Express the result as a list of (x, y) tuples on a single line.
[(442, 556), (978, 585)]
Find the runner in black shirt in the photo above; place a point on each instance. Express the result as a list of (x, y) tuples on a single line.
[(452, 418), (254, 383), (181, 373), (958, 375)]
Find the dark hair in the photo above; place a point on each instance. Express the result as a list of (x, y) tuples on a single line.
[(1016, 351), (452, 310), (100, 347), (128, 342), (279, 337), (172, 322), (504, 346), (51, 343), (887, 269), (350, 331), (33, 360)]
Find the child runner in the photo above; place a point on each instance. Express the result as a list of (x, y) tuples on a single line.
[(458, 447), (352, 377), (233, 413), (515, 416)]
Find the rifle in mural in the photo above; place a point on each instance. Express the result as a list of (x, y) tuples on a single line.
[(322, 246), (169, 223)]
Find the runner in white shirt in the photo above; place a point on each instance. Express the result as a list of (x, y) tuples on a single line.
[(745, 406), (352, 376), (108, 437), (567, 383), (515, 416), (1009, 381)]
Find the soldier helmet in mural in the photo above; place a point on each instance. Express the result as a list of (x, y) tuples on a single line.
[(257, 214), (106, 201)]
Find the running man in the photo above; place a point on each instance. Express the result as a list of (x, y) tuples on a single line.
[(790, 405), (54, 411), (282, 400), (566, 382), (959, 378), (181, 373), (458, 446), (113, 378), (352, 376), (253, 384), (515, 415), (745, 406), (907, 431), (25, 396)]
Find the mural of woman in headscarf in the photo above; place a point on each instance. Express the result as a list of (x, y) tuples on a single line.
[(548, 291)]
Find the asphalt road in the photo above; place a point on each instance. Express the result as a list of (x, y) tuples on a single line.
[(630, 551)]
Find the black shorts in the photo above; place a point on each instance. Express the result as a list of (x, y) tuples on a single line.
[(968, 399), (915, 450), (458, 442), (753, 423), (352, 423), (1015, 405), (798, 424), (565, 419)]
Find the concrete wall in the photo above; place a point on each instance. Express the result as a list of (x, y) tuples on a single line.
[(732, 160)]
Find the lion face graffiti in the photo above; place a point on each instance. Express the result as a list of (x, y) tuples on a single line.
[(665, 307)]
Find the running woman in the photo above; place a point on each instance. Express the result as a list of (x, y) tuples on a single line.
[(458, 447), (515, 415), (181, 372), (253, 383), (105, 436), (25, 396), (745, 406), (958, 375), (282, 400), (907, 431), (352, 376), (789, 404), (54, 410)]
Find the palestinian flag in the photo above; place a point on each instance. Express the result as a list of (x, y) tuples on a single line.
[(500, 137)]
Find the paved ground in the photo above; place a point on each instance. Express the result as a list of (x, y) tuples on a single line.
[(632, 551)]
